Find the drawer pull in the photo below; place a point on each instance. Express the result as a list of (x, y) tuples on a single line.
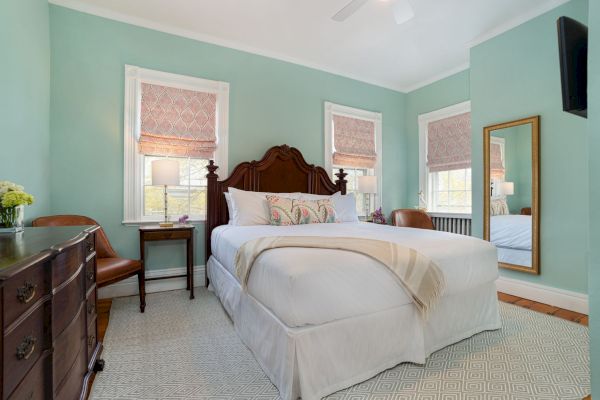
[(91, 308), (90, 247), (90, 275), (26, 348), (91, 340), (26, 293)]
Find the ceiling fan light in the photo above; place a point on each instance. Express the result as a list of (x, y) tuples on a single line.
[(403, 12)]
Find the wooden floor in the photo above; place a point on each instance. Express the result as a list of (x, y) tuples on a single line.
[(105, 304)]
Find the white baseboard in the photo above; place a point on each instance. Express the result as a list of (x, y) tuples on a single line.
[(566, 299), (129, 286)]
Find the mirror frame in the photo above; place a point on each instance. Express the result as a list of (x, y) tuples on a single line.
[(535, 195)]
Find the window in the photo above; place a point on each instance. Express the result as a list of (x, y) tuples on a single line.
[(353, 142), (445, 160), (177, 117)]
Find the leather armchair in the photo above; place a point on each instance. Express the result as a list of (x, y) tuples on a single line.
[(411, 218), (110, 268)]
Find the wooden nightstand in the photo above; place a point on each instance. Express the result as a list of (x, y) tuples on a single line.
[(177, 232)]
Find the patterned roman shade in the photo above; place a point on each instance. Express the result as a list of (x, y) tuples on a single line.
[(496, 162), (449, 143), (353, 142), (177, 122)]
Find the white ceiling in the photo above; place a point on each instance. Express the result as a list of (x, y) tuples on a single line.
[(368, 46)]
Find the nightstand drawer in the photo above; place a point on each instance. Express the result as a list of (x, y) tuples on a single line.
[(167, 235)]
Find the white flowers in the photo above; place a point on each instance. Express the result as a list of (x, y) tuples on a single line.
[(6, 186)]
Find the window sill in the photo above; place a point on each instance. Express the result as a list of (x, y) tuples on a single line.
[(141, 223)]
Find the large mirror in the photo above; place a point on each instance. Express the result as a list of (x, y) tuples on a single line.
[(511, 192)]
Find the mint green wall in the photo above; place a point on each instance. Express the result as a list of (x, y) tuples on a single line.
[(517, 163), (25, 98), (271, 103), (594, 168), (440, 94), (516, 75)]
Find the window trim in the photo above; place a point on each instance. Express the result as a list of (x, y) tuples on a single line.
[(133, 167), (332, 109), (423, 122)]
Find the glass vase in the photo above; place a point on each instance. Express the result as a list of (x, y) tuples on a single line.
[(11, 219)]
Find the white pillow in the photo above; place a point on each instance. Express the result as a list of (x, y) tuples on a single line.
[(251, 208), (345, 205), (229, 207)]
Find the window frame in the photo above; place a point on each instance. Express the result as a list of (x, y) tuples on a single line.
[(332, 109), (423, 122), (133, 178)]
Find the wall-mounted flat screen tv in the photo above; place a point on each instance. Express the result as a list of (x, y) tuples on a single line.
[(573, 49)]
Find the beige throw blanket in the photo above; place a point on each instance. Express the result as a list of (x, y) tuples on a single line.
[(418, 275)]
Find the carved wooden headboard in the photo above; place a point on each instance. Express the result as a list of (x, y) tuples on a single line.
[(281, 170)]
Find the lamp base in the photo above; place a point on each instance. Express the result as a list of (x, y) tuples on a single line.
[(166, 224)]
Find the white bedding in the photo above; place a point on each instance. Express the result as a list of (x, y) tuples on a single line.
[(311, 287), (511, 231), (515, 256)]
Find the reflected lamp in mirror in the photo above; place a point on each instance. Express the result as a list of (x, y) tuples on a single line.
[(165, 173), (367, 185), (507, 188)]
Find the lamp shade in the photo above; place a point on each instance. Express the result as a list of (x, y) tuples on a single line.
[(165, 172), (367, 184), (507, 188)]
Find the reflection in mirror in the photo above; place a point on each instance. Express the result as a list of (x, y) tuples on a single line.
[(511, 206)]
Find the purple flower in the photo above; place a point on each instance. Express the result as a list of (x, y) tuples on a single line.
[(183, 219)]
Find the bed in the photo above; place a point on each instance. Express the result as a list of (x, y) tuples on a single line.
[(512, 235), (320, 320)]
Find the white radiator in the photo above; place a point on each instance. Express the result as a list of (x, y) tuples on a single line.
[(454, 223)]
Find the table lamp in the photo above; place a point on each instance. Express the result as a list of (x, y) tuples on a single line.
[(507, 188), (166, 173), (367, 185)]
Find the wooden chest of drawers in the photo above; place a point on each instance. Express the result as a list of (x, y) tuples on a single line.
[(49, 345)]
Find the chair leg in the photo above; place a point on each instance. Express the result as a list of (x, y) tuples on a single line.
[(142, 287)]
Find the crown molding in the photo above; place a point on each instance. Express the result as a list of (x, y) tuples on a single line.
[(172, 30), (438, 77), (86, 8), (519, 20)]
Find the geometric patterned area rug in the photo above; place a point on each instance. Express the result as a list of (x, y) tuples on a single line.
[(182, 349)]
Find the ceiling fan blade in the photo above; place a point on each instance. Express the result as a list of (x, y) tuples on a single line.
[(348, 10), (403, 11)]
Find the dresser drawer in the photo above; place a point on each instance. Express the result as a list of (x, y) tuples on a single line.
[(68, 345), (92, 338), (67, 263), (90, 273), (89, 244), (23, 347), (68, 299), (34, 386), (167, 235), (70, 388), (91, 306), (24, 289)]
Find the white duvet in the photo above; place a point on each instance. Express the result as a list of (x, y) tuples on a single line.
[(511, 231), (314, 286)]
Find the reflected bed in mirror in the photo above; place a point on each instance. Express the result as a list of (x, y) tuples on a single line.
[(511, 198)]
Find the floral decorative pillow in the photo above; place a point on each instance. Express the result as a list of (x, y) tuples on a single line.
[(499, 207), (282, 211), (316, 211), (285, 212)]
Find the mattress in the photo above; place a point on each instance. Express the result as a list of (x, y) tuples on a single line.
[(315, 286), (511, 231)]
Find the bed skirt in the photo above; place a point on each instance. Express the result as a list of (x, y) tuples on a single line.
[(314, 361)]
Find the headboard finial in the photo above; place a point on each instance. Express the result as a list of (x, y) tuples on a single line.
[(211, 167)]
